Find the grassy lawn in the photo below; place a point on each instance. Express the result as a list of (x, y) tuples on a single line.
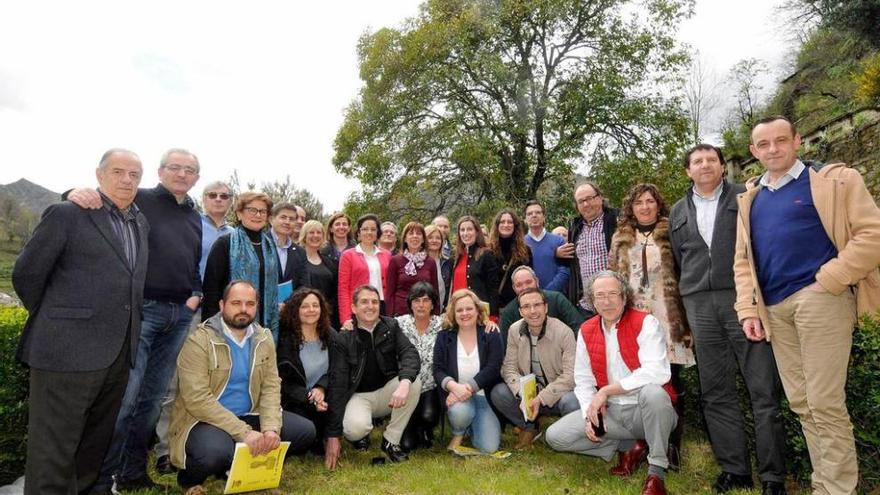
[(539, 471)]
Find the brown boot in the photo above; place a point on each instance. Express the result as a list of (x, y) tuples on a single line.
[(525, 439)]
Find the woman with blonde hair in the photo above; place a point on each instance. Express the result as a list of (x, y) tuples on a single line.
[(312, 268), (467, 361)]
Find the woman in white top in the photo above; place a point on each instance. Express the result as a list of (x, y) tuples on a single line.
[(467, 360), (365, 264)]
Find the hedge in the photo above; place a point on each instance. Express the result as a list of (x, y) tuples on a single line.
[(863, 400)]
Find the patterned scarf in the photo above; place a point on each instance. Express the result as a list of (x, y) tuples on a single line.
[(415, 260), (245, 265)]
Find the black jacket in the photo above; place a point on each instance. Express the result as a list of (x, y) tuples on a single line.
[(699, 269), (298, 259), (482, 277), (395, 355), (294, 395), (288, 271), (490, 350), (609, 225)]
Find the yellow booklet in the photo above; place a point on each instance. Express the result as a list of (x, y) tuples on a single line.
[(249, 473), (528, 390)]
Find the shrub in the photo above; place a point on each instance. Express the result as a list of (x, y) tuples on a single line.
[(13, 396)]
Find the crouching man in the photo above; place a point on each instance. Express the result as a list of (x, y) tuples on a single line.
[(229, 391), (374, 373), (545, 347), (621, 376)]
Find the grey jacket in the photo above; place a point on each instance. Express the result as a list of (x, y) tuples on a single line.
[(699, 268), (82, 296)]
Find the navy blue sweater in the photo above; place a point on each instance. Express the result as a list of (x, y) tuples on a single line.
[(788, 239), (175, 245)]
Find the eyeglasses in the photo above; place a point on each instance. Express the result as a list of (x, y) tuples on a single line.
[(257, 212), (174, 168), (215, 195), (589, 199), (607, 296)]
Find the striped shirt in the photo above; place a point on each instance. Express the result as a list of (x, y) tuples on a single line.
[(124, 224)]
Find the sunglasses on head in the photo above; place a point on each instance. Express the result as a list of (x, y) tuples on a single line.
[(214, 195)]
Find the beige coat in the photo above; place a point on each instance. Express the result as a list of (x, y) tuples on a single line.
[(852, 221), (203, 368), (556, 350)]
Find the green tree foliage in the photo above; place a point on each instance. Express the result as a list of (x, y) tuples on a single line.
[(477, 103), (859, 17)]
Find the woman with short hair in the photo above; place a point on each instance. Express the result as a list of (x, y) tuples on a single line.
[(410, 266), (248, 253)]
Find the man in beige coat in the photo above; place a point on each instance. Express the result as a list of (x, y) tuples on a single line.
[(543, 346), (229, 391), (808, 247)]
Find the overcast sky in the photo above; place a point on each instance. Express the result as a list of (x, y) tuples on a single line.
[(256, 86)]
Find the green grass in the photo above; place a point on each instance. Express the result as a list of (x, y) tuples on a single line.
[(539, 471)]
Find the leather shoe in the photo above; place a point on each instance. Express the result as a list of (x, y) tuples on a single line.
[(164, 466), (654, 485), (525, 439), (393, 451), (628, 462), (773, 488), (362, 445), (729, 481)]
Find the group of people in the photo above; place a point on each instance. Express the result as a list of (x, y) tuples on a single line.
[(148, 319)]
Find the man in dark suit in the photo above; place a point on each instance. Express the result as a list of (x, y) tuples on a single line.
[(283, 221), (81, 277)]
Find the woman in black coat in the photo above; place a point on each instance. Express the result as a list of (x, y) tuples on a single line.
[(311, 268), (476, 267), (304, 358)]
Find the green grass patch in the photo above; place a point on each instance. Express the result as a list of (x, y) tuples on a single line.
[(538, 471)]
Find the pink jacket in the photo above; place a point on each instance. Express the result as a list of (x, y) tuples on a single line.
[(354, 272)]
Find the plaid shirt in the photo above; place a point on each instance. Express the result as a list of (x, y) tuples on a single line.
[(592, 254)]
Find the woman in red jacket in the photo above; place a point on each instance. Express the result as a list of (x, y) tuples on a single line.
[(366, 263)]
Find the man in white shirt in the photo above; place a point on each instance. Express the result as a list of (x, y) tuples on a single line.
[(621, 376)]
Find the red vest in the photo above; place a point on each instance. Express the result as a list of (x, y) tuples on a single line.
[(628, 329)]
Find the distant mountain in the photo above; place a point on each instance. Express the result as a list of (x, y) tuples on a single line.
[(30, 196)]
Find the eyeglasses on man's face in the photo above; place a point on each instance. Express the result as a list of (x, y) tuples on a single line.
[(606, 296), (215, 195), (187, 170)]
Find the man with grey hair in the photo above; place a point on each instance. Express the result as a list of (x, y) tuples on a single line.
[(216, 201), (172, 294), (81, 277), (558, 306), (621, 376)]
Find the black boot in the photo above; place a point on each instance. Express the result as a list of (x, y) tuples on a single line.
[(674, 453), (409, 441), (426, 439)]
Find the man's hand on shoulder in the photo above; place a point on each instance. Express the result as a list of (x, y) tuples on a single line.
[(86, 198)]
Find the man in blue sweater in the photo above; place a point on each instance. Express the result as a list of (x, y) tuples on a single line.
[(172, 294), (552, 274), (807, 250)]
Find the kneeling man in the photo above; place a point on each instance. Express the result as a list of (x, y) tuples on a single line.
[(542, 346), (373, 373), (621, 376), (229, 391)]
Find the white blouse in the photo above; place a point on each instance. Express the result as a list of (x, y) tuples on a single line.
[(468, 365)]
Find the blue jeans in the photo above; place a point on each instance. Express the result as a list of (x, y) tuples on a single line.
[(163, 330), (475, 418)]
